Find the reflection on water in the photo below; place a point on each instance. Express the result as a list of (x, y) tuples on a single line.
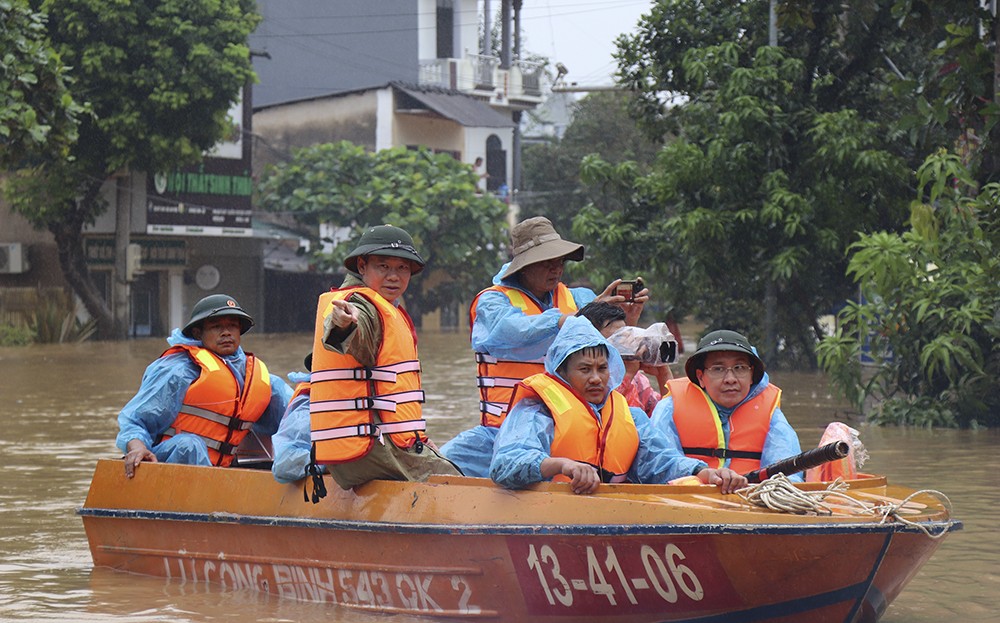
[(58, 409)]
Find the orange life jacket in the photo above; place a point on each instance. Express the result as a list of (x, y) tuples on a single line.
[(350, 405), (301, 388), (700, 427), (496, 377), (215, 409), (609, 444)]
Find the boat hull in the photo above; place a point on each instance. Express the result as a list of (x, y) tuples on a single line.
[(635, 553)]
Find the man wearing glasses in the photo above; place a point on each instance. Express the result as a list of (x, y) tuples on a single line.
[(726, 412)]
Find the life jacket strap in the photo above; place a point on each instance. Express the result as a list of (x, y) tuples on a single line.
[(491, 360), (609, 476), (369, 429), (315, 472), (493, 408), (484, 358), (385, 402), (378, 373), (212, 444), (496, 381), (723, 453), (226, 420)]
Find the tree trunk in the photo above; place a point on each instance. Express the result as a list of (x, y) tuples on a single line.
[(415, 308), (120, 278), (770, 323), (996, 56), (68, 234)]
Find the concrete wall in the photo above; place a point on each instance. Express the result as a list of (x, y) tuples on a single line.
[(326, 120), (434, 133)]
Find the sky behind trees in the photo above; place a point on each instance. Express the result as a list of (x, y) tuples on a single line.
[(580, 34)]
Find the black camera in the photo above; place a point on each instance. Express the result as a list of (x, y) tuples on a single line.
[(629, 288), (668, 351)]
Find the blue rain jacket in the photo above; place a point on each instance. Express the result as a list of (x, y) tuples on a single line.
[(506, 332), (781, 441), (525, 438), (164, 384), (292, 443), (472, 450)]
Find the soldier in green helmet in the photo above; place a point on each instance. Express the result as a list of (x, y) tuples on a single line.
[(203, 395), (364, 419)]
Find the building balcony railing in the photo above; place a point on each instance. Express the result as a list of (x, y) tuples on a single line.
[(531, 77), (484, 69), (480, 75)]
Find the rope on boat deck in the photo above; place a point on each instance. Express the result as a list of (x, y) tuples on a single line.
[(779, 494)]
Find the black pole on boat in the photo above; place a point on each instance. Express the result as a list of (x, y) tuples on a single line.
[(801, 462)]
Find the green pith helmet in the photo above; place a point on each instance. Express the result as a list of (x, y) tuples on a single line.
[(385, 240), (214, 306), (730, 341)]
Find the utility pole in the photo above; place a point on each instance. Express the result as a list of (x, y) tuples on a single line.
[(120, 307), (772, 23), (486, 46), (771, 289)]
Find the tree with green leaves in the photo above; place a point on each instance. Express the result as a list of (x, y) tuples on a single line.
[(38, 115), (781, 155), (600, 125), (957, 94), (159, 78), (591, 174), (927, 320), (460, 234)]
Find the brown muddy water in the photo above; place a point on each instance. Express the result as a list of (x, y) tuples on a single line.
[(58, 409)]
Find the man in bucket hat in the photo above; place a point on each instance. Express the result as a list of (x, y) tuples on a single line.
[(365, 418), (726, 412), (204, 395), (513, 324)]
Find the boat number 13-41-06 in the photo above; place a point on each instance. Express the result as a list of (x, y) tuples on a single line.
[(664, 573)]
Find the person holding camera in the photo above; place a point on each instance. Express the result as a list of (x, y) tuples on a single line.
[(608, 319), (726, 412), (515, 320)]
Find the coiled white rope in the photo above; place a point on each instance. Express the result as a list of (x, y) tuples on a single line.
[(779, 494)]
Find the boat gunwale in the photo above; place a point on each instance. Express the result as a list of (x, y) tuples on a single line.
[(935, 527)]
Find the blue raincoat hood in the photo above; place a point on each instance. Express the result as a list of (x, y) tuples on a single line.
[(576, 334)]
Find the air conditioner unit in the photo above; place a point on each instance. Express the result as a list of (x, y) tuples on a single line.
[(13, 258)]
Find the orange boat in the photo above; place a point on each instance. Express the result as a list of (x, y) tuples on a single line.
[(465, 549)]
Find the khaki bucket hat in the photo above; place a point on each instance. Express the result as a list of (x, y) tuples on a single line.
[(534, 240)]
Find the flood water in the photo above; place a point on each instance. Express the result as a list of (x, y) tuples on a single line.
[(58, 409)]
